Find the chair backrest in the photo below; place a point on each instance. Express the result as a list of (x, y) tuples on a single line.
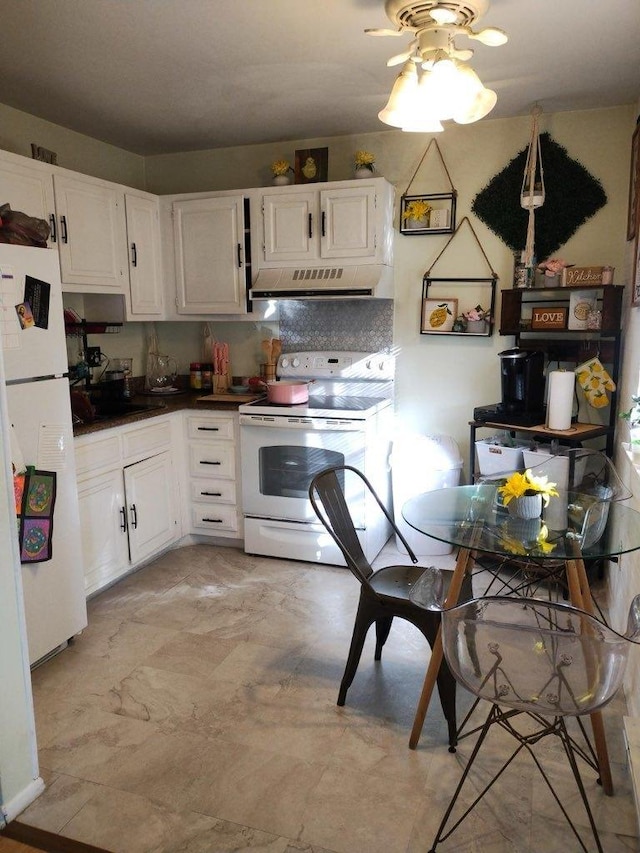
[(583, 470), (327, 496)]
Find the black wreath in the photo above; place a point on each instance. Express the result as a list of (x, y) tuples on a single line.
[(572, 196)]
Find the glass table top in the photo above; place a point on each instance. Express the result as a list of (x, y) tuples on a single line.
[(573, 524)]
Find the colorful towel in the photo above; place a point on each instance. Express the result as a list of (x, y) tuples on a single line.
[(595, 382)]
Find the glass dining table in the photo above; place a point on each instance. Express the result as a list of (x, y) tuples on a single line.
[(574, 528)]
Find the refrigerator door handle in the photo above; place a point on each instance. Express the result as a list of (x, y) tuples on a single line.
[(123, 519)]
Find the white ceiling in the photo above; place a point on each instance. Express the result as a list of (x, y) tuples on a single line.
[(154, 76)]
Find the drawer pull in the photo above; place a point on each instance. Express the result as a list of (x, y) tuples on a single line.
[(213, 520), (212, 494), (207, 462), (209, 429)]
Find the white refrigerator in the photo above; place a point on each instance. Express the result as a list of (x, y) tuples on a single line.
[(41, 435)]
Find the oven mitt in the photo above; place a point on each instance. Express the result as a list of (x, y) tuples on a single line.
[(595, 382)]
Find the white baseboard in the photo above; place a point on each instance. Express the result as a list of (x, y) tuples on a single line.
[(10, 810)]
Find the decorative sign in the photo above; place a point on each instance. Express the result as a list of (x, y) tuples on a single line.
[(43, 154), (312, 165), (579, 276), (549, 318), (581, 304)]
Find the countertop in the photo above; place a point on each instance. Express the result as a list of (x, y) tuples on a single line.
[(164, 406)]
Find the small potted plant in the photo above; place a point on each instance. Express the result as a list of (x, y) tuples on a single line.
[(550, 272), (280, 170), (364, 164), (460, 324), (416, 213), (633, 417), (524, 494), (477, 320)]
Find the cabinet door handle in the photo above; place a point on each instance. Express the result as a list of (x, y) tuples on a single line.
[(212, 494), (239, 255), (213, 520), (123, 519), (54, 233), (323, 222), (134, 255), (207, 462), (209, 429), (134, 517), (310, 225), (63, 229)]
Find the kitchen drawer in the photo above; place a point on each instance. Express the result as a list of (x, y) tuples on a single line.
[(213, 491), (219, 427), (92, 455), (213, 459), (146, 440), (212, 518)]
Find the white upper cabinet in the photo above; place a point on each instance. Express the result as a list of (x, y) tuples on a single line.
[(91, 234), (28, 187), (349, 221), (209, 245), (144, 300)]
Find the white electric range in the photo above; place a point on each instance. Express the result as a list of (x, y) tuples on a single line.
[(346, 421)]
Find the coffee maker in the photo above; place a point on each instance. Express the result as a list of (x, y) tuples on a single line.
[(523, 388)]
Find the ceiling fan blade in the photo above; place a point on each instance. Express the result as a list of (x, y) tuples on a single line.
[(399, 58), (383, 32)]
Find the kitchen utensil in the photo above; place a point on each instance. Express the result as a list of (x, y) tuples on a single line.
[(276, 349), (266, 349), (239, 389), (287, 392)]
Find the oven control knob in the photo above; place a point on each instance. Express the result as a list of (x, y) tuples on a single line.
[(295, 362), (284, 362)]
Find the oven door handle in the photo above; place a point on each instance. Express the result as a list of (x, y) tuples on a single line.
[(306, 424)]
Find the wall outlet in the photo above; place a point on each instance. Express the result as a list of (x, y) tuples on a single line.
[(94, 356)]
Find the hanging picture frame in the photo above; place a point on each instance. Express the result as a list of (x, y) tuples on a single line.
[(635, 272), (438, 315), (428, 213), (634, 185)]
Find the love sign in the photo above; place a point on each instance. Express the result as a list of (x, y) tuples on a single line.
[(549, 318)]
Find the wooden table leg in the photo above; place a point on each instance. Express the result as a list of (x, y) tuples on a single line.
[(462, 565), (580, 595)]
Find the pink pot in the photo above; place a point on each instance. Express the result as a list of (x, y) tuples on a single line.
[(288, 393)]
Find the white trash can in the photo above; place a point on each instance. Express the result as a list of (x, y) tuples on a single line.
[(422, 463)]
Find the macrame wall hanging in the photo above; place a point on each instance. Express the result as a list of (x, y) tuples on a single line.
[(572, 196), (532, 194)]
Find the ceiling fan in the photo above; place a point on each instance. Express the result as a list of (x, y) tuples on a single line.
[(435, 24)]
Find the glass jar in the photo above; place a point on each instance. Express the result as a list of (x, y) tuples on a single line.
[(594, 318), (195, 376), (207, 377)]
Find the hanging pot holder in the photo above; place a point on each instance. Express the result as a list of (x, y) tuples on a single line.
[(594, 380)]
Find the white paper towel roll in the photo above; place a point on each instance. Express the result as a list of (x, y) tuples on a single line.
[(560, 402)]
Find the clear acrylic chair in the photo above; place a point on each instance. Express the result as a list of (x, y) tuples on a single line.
[(542, 659), (384, 593)]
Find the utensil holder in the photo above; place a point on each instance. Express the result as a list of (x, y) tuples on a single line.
[(268, 372)]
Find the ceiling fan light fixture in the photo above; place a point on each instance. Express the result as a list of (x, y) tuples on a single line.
[(442, 15), (481, 106), (398, 108)]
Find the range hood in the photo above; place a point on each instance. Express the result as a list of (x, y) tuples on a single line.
[(329, 282)]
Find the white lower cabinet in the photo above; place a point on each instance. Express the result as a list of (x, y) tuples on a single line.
[(213, 474), (128, 492)]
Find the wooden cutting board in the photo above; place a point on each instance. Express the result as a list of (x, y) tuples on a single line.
[(228, 398)]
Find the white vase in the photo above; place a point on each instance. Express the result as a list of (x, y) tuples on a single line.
[(477, 327), (281, 180), (528, 506), (421, 223), (363, 172)]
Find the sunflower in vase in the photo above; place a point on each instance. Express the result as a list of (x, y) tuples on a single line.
[(528, 494), (280, 170), (365, 163), (416, 213)]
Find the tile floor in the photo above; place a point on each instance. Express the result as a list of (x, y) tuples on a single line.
[(197, 714)]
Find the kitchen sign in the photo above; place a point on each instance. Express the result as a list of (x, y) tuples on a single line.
[(549, 318), (579, 276)]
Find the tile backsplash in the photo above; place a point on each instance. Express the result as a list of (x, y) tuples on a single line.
[(359, 325)]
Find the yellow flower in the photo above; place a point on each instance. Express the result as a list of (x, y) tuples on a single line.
[(366, 159), (281, 167), (417, 209), (519, 484)]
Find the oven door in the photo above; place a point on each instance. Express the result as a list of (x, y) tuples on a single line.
[(280, 456)]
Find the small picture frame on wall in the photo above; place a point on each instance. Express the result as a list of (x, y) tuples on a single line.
[(635, 273), (312, 165), (438, 315)]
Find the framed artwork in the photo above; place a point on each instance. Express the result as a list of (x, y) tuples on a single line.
[(634, 184), (438, 315), (635, 272), (312, 165)]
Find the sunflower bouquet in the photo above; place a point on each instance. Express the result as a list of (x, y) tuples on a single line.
[(281, 167), (416, 209), (519, 485), (365, 160)]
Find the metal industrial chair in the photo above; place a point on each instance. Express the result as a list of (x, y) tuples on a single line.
[(383, 593), (547, 660)]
